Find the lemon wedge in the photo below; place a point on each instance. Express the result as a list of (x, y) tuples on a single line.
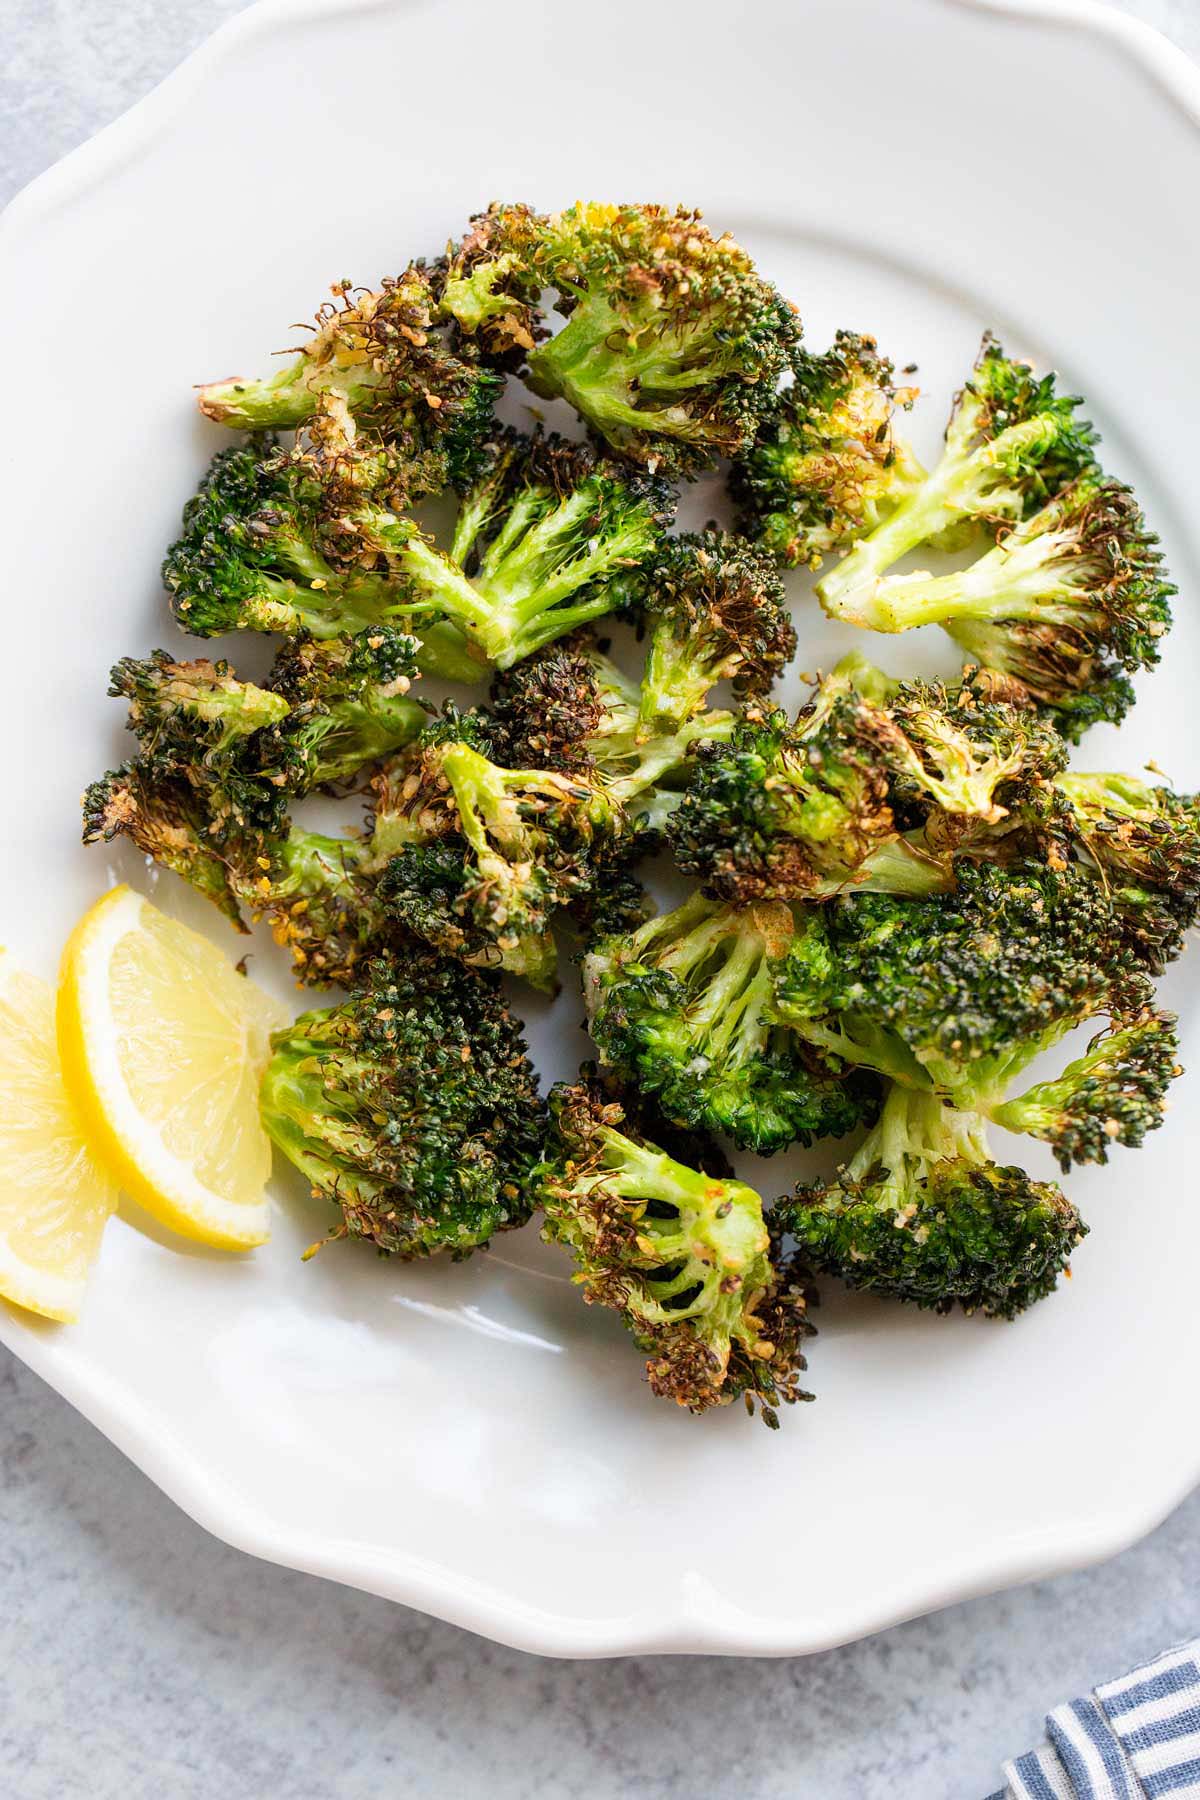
[(54, 1199), (162, 1045)]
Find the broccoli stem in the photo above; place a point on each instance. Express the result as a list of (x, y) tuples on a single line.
[(728, 1016), (914, 1131), (980, 1087), (676, 683), (328, 605), (490, 800), (513, 606), (1024, 577), (448, 655), (860, 1044), (729, 1013), (282, 402), (317, 865), (963, 485), (657, 758), (1090, 792), (695, 927), (297, 1087)]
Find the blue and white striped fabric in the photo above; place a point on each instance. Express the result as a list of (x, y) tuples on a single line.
[(1133, 1739)]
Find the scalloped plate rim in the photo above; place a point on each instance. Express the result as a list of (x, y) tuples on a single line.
[(207, 1497)]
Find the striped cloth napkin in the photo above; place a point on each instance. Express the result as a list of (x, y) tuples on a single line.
[(1133, 1739)]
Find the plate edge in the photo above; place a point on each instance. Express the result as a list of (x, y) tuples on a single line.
[(488, 1613)]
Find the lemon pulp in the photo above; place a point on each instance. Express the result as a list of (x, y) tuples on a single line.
[(55, 1200), (163, 1044)]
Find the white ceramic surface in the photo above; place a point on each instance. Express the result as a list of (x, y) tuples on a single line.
[(471, 1440)]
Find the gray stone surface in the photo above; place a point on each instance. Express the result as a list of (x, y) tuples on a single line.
[(141, 1659)]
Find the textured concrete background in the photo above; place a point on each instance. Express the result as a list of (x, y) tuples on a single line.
[(141, 1659)]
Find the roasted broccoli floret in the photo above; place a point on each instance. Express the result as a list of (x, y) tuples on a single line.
[(684, 1007), (673, 343), (792, 811), (923, 1213), (1068, 603), (969, 751), (957, 994), (538, 541), (167, 820), (316, 892), (518, 849), (329, 708), (1143, 843), (257, 554), (828, 465), (412, 1108), (1114, 1093), (351, 701), (684, 1257), (318, 895), (1012, 443), (376, 359), (195, 722), (715, 610), (490, 285), (571, 708)]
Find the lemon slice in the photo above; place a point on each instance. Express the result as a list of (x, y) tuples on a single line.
[(162, 1045), (54, 1199)]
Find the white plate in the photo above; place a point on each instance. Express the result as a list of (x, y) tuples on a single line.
[(471, 1440)]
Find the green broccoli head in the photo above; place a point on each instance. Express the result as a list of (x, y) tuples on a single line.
[(715, 610), (377, 358), (518, 849), (684, 1257), (673, 343), (551, 708), (1013, 442), (794, 811), (539, 540), (973, 751), (351, 703), (412, 1108), (184, 711), (1143, 843), (166, 819), (1068, 604), (489, 286), (262, 548), (248, 556), (196, 723), (828, 465), (922, 1213), (330, 708), (1113, 1094), (957, 994), (684, 1008)]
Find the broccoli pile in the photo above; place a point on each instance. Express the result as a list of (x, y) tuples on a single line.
[(888, 905)]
